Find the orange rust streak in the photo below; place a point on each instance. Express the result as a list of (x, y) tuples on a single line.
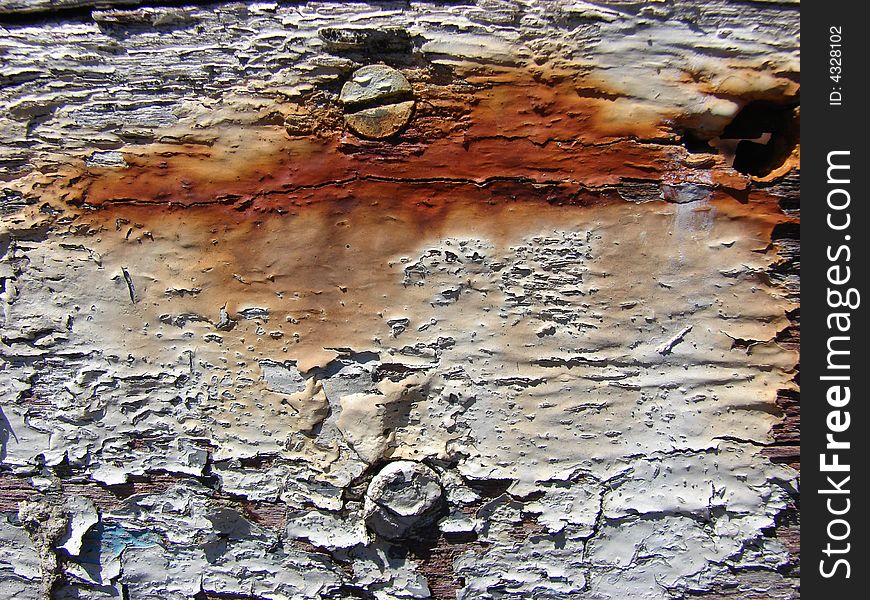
[(196, 179), (516, 128)]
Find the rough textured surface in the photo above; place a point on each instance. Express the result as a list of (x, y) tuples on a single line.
[(531, 336)]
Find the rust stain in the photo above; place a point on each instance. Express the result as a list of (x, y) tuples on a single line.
[(511, 125), (327, 270), (314, 226)]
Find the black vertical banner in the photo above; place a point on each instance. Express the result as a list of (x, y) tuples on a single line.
[(835, 51)]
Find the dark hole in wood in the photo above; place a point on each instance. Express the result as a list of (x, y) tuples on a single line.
[(756, 120)]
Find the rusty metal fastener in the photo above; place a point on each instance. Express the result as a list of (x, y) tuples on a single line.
[(378, 102)]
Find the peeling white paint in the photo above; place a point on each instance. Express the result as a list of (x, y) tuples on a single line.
[(221, 390)]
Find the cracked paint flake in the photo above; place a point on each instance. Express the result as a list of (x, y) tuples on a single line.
[(543, 323)]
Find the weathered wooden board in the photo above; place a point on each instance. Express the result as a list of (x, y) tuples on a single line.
[(510, 314)]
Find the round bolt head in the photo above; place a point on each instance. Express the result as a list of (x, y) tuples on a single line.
[(402, 498), (377, 102)]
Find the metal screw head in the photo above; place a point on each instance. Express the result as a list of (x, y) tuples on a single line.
[(402, 498), (378, 102)]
